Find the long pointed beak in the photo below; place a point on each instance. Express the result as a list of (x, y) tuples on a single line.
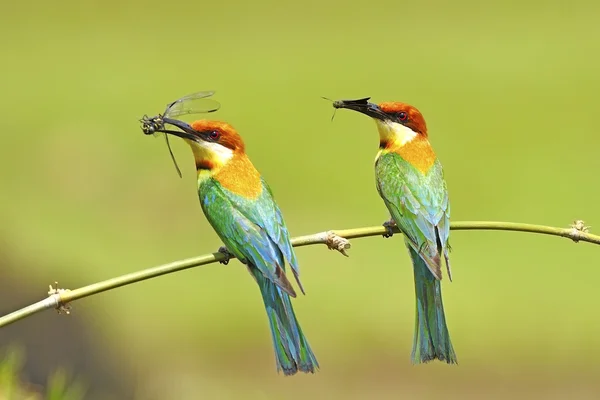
[(187, 132), (362, 106)]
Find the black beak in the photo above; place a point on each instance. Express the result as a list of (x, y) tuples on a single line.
[(362, 106), (187, 132)]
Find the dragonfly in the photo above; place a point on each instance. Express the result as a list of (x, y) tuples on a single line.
[(195, 103)]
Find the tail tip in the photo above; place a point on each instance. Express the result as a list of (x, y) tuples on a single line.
[(306, 368), (451, 359)]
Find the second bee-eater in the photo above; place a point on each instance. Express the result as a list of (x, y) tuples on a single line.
[(410, 180), (240, 207)]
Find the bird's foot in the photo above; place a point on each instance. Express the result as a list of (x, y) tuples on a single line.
[(223, 250), (389, 227)]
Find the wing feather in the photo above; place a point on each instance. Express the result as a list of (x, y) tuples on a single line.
[(252, 229), (418, 204)]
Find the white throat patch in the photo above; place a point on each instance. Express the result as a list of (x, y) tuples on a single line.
[(223, 153), (395, 131), (210, 150)]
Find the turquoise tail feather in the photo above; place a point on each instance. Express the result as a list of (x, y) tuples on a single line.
[(432, 340), (292, 351)]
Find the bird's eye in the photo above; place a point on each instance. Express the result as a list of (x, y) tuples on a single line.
[(402, 116), (214, 135)]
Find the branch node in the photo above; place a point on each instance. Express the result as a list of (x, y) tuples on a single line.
[(578, 230), (54, 293), (335, 242)]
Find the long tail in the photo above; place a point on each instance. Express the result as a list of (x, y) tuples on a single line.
[(432, 339), (292, 351)]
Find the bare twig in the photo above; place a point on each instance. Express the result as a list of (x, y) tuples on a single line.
[(335, 240)]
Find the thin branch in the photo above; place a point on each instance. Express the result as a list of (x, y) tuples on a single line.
[(335, 240)]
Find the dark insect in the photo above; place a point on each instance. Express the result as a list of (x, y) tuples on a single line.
[(195, 103)]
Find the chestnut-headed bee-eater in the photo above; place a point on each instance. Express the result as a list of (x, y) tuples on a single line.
[(410, 180), (239, 205)]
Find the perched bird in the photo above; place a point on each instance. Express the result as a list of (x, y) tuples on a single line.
[(411, 182), (239, 205)]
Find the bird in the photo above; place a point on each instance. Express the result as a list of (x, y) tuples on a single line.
[(410, 180), (239, 205)]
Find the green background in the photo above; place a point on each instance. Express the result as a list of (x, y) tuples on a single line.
[(510, 94)]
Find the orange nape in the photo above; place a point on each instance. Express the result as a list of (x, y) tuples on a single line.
[(228, 136), (414, 118)]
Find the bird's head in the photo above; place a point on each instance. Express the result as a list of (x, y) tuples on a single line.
[(398, 123), (214, 143)]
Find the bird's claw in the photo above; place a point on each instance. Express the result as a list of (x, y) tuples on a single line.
[(223, 250), (389, 227)]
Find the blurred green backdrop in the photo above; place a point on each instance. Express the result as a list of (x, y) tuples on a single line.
[(510, 94)]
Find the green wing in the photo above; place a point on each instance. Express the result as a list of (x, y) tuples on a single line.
[(252, 229), (419, 205)]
